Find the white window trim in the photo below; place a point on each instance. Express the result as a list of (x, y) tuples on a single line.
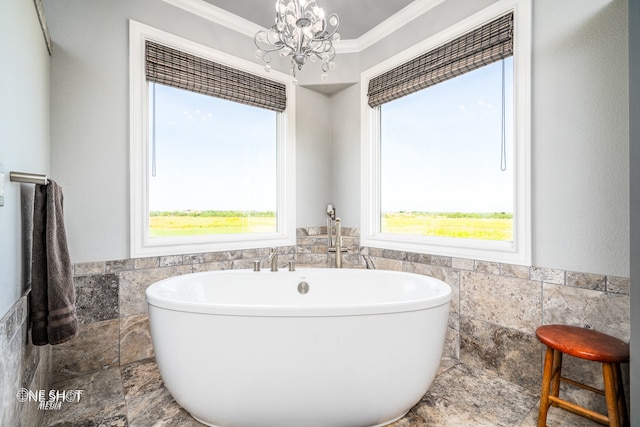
[(141, 245), (516, 252)]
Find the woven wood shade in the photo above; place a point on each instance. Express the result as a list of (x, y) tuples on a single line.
[(178, 69), (482, 46)]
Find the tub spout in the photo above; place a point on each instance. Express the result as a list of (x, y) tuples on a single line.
[(273, 257)]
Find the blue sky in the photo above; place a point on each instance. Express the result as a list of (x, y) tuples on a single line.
[(440, 150), (441, 146), (206, 158)]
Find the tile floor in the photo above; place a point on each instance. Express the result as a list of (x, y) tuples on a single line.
[(134, 395)]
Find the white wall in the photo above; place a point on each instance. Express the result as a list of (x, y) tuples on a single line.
[(634, 143), (345, 155), (579, 137), (313, 157), (24, 136)]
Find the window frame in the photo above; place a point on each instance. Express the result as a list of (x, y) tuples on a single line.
[(141, 245), (516, 252)]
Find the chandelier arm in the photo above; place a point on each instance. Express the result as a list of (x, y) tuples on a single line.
[(267, 48), (328, 48)]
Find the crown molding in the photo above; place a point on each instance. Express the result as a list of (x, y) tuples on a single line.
[(391, 24), (347, 46), (234, 22)]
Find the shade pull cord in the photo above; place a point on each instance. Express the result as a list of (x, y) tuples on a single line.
[(503, 142), (153, 131)]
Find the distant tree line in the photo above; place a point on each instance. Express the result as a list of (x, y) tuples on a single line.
[(210, 214), (481, 215)]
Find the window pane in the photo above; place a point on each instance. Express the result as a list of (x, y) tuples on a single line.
[(441, 158), (215, 165)]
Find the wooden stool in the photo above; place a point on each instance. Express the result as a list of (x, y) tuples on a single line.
[(589, 345)]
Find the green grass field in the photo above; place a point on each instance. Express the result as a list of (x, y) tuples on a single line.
[(485, 226), (200, 223)]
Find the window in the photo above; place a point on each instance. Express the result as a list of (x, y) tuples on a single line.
[(203, 144), (445, 142), (211, 149)]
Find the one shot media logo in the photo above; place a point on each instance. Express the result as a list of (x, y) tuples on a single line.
[(49, 400)]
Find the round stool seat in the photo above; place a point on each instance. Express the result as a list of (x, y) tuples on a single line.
[(584, 343)]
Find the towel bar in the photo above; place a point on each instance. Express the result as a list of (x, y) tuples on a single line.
[(29, 178)]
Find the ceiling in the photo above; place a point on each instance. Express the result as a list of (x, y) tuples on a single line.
[(356, 16)]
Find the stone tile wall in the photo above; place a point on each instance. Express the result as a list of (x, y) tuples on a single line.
[(494, 311), (496, 308), (22, 366)]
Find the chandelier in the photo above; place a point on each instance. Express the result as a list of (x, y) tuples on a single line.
[(302, 32)]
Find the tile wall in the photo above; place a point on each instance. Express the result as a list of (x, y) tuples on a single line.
[(494, 311), (22, 366)]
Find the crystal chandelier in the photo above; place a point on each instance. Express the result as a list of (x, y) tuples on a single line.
[(302, 32)]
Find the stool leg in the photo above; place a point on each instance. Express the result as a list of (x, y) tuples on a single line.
[(546, 385), (610, 392), (556, 374), (622, 402)]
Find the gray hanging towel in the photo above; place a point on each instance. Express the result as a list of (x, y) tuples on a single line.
[(52, 298)]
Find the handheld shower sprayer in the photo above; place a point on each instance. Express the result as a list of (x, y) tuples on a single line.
[(331, 211)]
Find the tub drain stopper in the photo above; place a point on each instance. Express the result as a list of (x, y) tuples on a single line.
[(303, 288)]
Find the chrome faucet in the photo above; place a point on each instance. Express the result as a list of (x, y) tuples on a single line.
[(334, 246), (273, 257)]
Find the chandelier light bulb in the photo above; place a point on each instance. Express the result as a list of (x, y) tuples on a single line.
[(302, 32)]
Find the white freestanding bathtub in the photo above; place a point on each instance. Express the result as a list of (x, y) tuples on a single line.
[(240, 348)]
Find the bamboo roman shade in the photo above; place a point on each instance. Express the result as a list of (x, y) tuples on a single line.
[(182, 70), (482, 46)]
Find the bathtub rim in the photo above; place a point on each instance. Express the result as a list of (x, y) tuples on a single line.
[(443, 297)]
